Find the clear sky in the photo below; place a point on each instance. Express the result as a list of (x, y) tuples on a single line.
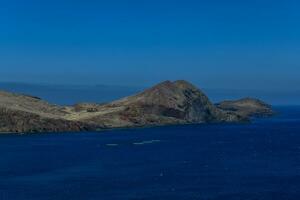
[(215, 43)]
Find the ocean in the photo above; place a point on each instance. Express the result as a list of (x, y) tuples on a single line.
[(255, 161)]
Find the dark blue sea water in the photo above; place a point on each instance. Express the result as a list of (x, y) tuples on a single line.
[(210, 162)]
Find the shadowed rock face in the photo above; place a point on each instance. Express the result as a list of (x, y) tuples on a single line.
[(169, 102)]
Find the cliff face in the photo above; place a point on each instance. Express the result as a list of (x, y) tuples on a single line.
[(176, 102)]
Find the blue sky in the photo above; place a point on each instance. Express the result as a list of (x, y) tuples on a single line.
[(215, 44)]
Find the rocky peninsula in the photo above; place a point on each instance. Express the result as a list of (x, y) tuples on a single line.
[(166, 103)]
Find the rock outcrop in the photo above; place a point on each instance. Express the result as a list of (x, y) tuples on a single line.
[(247, 107), (169, 102), (176, 102)]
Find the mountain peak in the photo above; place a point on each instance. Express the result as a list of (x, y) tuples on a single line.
[(184, 84), (163, 86), (169, 86), (172, 101)]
